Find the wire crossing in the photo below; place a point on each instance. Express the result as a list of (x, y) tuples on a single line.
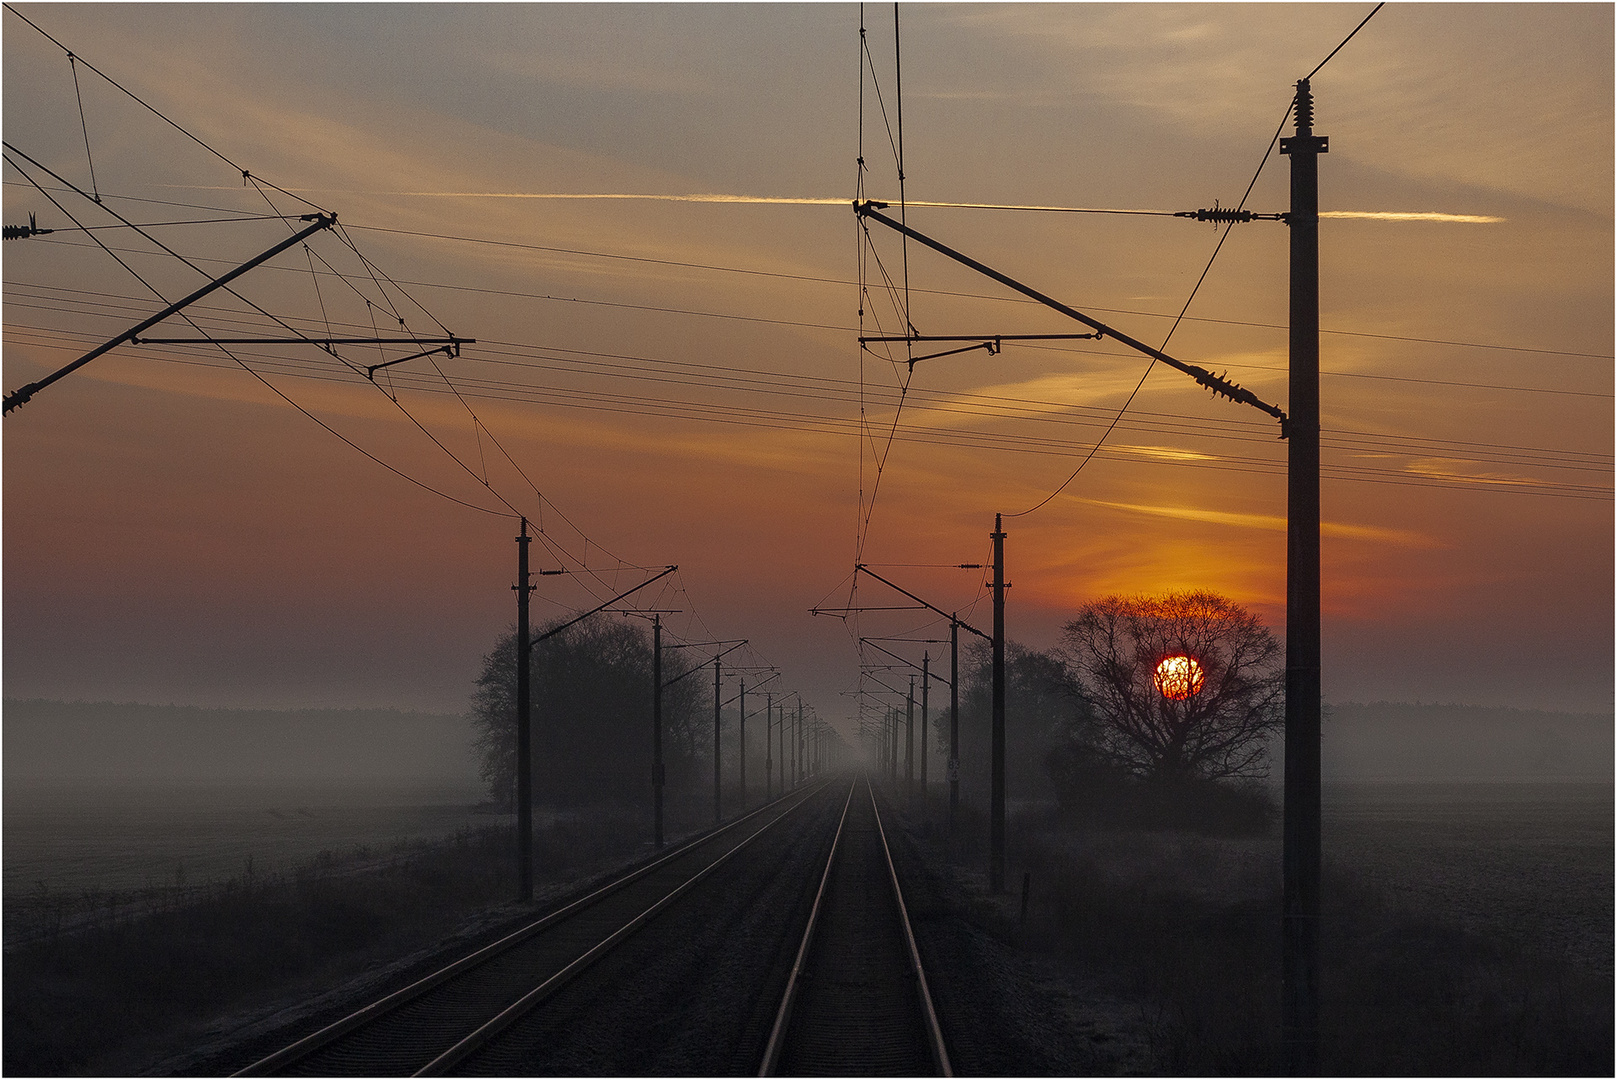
[(375, 289)]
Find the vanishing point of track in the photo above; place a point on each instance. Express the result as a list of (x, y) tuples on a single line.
[(854, 1001)]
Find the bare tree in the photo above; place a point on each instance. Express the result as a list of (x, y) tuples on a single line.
[(1184, 686)]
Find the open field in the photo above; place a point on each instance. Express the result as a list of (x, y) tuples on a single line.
[(1530, 864), (1466, 929), (72, 837), (1470, 925)]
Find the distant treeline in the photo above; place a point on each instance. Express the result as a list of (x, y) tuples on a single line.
[(107, 742), (1399, 741)]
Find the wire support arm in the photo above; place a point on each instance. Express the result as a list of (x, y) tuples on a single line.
[(703, 665), (908, 664), (22, 395), (862, 568), (306, 341), (452, 351), (992, 343), (865, 673), (1216, 383), (981, 337), (596, 610), (449, 346)]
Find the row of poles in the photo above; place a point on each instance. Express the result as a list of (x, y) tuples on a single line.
[(996, 861), (802, 746), (800, 755)]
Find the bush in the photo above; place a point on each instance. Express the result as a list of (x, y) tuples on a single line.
[(1092, 789)]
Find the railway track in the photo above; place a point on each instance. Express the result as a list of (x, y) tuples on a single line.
[(856, 1002), (781, 946), (437, 1023)]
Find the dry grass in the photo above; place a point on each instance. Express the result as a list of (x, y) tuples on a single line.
[(1188, 925), (109, 983)]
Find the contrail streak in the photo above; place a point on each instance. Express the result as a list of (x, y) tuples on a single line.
[(769, 200), (1371, 215), (760, 199), (1396, 215)]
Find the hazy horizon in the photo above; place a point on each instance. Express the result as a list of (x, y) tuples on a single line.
[(72, 743)]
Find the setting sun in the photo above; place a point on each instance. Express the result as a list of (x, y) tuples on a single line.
[(1179, 677)]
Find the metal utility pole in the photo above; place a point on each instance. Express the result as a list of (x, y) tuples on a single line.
[(1301, 828), (742, 736), (996, 843), (909, 742), (717, 700), (955, 626), (657, 728), (524, 737), (525, 646), (892, 745), (769, 763), (954, 719), (926, 678), (799, 740)]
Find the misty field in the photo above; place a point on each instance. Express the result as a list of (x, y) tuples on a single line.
[(1466, 929), (1468, 926), (1529, 862), (66, 843), (1526, 863)]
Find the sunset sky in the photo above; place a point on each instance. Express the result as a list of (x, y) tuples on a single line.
[(681, 379)]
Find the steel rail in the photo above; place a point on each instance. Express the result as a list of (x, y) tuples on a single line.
[(783, 1015), (390, 1003), (935, 1033), (521, 1007), (833, 983)]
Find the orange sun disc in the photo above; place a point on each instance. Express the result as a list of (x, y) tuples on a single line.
[(1179, 677)]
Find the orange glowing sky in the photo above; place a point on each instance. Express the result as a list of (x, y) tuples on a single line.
[(680, 376)]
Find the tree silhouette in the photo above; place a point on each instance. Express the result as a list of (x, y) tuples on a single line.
[(591, 715), (1044, 707), (1206, 714)]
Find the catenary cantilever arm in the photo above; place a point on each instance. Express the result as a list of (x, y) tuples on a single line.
[(21, 396), (1216, 383), (603, 607), (862, 568), (703, 665)]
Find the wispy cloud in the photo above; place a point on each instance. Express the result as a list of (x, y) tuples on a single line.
[(1161, 453), (1272, 523), (1448, 469)]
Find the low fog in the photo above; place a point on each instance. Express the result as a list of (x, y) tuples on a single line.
[(56, 742), (1400, 741)]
